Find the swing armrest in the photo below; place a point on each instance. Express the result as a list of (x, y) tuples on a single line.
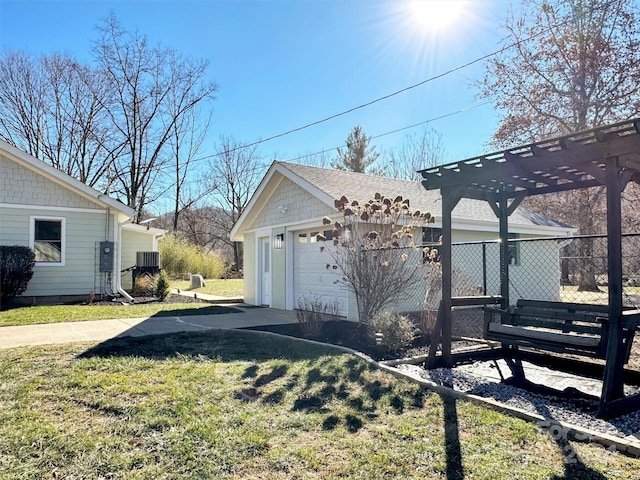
[(490, 314)]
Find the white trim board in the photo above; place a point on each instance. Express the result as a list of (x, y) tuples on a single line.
[(20, 206)]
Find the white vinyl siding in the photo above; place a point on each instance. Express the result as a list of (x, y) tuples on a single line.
[(250, 269), (132, 242), (82, 231)]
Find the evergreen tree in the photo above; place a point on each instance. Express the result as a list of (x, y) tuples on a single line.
[(359, 155)]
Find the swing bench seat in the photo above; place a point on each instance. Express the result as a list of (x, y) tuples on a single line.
[(571, 328)]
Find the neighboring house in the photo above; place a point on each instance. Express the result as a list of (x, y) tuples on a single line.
[(283, 260), (82, 238)]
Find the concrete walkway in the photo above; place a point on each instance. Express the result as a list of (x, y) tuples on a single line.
[(100, 330)]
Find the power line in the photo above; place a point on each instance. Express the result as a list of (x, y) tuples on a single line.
[(390, 95), (385, 97), (440, 117)]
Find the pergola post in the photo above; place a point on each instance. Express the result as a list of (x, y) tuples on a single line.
[(613, 382), (449, 200), (503, 218)]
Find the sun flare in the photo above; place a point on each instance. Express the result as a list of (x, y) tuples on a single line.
[(437, 15)]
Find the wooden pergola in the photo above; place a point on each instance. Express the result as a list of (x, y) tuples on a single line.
[(606, 157)]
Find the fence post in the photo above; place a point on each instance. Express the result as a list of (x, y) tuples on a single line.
[(484, 268)]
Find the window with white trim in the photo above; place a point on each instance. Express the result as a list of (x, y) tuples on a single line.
[(48, 240)]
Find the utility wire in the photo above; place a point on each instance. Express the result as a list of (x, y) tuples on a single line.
[(393, 94), (385, 97), (450, 114)]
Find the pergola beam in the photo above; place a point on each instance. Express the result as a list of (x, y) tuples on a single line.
[(521, 167)]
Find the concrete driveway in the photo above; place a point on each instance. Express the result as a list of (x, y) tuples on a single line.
[(100, 330)]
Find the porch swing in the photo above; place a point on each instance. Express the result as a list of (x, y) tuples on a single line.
[(608, 157)]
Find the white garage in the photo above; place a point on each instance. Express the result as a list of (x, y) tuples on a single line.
[(314, 277), (283, 261)]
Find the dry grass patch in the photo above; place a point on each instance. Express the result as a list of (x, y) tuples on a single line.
[(80, 313)]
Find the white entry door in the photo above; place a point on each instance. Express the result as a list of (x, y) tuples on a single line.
[(265, 271)]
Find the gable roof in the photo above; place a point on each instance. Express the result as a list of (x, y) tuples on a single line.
[(32, 163), (329, 184)]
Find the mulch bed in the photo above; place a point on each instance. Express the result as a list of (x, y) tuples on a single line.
[(139, 300), (348, 334)]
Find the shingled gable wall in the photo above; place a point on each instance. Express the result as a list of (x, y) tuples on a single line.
[(290, 204)]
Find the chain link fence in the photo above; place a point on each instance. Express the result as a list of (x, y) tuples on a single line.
[(568, 269)]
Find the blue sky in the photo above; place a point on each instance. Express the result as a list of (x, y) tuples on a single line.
[(282, 64)]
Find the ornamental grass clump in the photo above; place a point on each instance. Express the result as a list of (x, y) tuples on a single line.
[(312, 313), (179, 257)]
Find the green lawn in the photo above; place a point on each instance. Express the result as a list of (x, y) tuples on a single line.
[(224, 288), (78, 313), (238, 405)]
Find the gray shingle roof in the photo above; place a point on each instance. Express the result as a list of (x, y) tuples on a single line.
[(362, 187)]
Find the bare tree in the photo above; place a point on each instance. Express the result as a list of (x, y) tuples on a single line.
[(321, 159), (23, 103), (418, 151), (575, 65), (235, 174), (151, 89), (48, 110), (359, 156), (185, 141)]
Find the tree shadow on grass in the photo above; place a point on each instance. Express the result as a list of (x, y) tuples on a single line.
[(262, 381), (222, 345), (574, 467)]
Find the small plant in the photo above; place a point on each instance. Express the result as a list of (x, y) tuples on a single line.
[(16, 270), (312, 313), (392, 330), (144, 286), (162, 286)]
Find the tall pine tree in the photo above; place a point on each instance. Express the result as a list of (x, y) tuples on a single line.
[(359, 156)]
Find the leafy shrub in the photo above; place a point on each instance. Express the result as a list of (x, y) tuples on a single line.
[(397, 330), (162, 285), (179, 257), (16, 270), (312, 313)]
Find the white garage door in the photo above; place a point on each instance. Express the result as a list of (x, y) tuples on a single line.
[(311, 277)]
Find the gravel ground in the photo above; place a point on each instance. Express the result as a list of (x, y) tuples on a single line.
[(581, 413)]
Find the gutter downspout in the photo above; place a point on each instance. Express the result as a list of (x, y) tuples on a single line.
[(117, 238)]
